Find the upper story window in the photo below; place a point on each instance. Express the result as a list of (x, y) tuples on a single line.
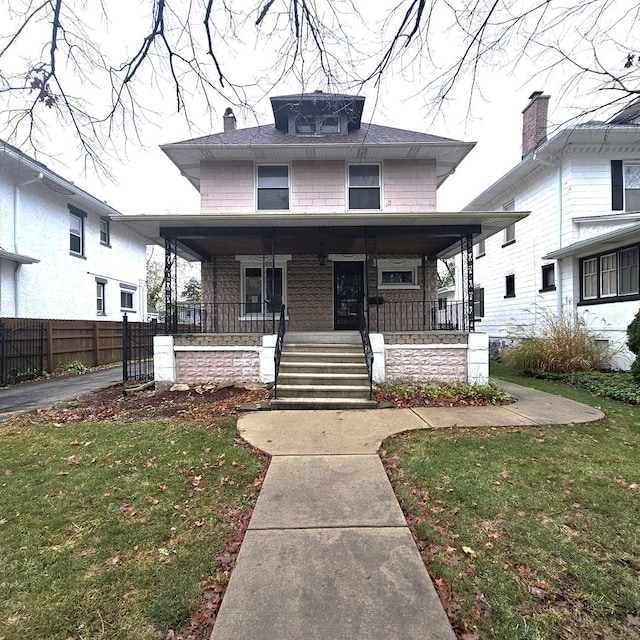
[(480, 249), (273, 187), (76, 231), (105, 232), (625, 186), (364, 186)]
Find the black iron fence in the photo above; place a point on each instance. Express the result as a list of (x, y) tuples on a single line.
[(137, 349), (278, 350), (225, 317), (418, 315), (21, 351), (238, 317)]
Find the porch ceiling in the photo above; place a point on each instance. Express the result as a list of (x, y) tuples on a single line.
[(434, 234)]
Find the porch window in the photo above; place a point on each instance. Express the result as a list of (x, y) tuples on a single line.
[(610, 276), (608, 272), (398, 274), (364, 186), (628, 270), (263, 290), (273, 187)]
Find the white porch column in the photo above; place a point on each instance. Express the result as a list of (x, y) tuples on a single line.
[(164, 359), (478, 358), (377, 345), (267, 364)]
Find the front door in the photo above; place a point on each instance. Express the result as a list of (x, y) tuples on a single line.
[(348, 294)]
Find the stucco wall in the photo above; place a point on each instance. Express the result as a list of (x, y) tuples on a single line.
[(63, 285)]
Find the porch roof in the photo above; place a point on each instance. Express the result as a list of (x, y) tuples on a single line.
[(435, 234)]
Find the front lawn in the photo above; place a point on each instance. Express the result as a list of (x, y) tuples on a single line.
[(530, 532), (119, 522)]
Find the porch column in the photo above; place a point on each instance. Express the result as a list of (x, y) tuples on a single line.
[(171, 284), (467, 278)]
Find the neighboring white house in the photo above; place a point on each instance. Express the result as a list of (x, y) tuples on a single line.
[(578, 249), (63, 253)]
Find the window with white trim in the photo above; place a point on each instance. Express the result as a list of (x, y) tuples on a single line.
[(398, 274), (263, 287), (608, 275), (101, 307), (364, 186), (590, 278), (273, 187), (480, 249), (127, 297)]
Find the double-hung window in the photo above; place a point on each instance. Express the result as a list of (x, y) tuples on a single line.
[(105, 232), (608, 275), (263, 289), (273, 187), (478, 302), (76, 231), (611, 275), (590, 278), (625, 186), (127, 293), (101, 308), (364, 186)]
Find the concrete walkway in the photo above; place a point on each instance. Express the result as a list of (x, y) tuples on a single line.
[(328, 554)]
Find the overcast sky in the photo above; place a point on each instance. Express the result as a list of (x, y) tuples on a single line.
[(145, 181)]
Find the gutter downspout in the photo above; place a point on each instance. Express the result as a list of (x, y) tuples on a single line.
[(559, 205), (16, 212)]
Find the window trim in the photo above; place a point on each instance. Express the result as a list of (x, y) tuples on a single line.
[(107, 232), (405, 264), (379, 186), (266, 262), (596, 259), (478, 305), (510, 286), (618, 185), (79, 215), (258, 187), (481, 249), (131, 290), (545, 269), (101, 300)]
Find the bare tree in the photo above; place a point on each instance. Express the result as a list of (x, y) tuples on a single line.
[(100, 69)]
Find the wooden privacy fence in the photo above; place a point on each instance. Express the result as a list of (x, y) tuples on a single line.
[(91, 342)]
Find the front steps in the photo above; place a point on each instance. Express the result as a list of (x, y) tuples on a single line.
[(323, 371)]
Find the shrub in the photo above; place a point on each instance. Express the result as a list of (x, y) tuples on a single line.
[(633, 342), (561, 344), (75, 366)]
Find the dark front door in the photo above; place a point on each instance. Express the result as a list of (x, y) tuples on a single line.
[(348, 294)]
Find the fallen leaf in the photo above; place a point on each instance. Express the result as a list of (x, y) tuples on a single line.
[(469, 551), (112, 562), (538, 593)]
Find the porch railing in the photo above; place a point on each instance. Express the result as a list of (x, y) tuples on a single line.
[(382, 316), (226, 317), (368, 351), (417, 315), (278, 351)]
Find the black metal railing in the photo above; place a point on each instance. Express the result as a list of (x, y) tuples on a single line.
[(21, 352), (225, 317), (137, 349), (368, 351), (417, 315), (278, 351)]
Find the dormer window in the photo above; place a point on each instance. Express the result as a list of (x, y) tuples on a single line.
[(307, 125)]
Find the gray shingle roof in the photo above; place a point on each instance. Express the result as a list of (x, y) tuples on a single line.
[(269, 135)]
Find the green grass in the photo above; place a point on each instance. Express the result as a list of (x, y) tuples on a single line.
[(530, 532), (107, 530)]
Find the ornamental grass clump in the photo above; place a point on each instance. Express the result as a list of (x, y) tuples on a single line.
[(559, 344)]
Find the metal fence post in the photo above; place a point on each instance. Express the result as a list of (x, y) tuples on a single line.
[(125, 348)]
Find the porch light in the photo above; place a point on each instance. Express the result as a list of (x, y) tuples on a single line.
[(322, 257)]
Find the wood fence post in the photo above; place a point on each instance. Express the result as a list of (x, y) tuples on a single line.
[(96, 343), (49, 325)]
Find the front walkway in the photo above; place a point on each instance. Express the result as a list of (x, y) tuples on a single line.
[(328, 554)]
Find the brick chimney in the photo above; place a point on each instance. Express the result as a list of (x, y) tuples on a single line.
[(534, 122), (229, 120)]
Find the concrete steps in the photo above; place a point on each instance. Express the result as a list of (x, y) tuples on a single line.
[(323, 371)]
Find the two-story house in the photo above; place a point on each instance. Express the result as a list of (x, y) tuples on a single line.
[(324, 223), (578, 250), (64, 254)]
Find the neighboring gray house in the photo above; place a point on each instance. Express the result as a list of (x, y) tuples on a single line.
[(333, 220), (578, 250), (63, 253)]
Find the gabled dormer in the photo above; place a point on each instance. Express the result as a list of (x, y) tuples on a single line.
[(317, 114)]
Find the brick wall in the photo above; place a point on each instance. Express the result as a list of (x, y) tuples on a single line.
[(309, 295), (435, 337), (421, 365), (217, 366)]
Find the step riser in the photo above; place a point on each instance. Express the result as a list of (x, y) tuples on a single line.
[(319, 380), (315, 404), (301, 368), (329, 356), (331, 351), (304, 391)]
